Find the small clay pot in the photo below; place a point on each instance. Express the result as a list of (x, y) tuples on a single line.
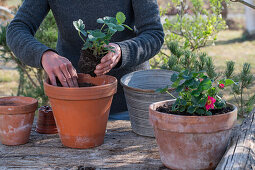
[(16, 119), (191, 142), (46, 122)]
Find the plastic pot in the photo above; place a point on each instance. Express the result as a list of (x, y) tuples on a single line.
[(81, 114), (139, 88), (46, 122), (191, 142), (16, 119)]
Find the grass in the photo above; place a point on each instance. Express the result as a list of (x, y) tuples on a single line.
[(231, 46), (8, 82)]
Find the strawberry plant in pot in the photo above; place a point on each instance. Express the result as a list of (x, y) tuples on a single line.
[(193, 130), (96, 41)]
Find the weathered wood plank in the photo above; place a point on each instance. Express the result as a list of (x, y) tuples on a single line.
[(241, 151), (122, 149)]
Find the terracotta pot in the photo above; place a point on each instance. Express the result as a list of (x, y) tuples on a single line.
[(191, 142), (16, 119), (46, 122), (81, 114)]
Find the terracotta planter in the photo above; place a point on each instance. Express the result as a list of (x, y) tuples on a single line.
[(46, 122), (16, 119), (81, 114), (191, 142)]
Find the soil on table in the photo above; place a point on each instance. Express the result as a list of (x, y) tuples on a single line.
[(168, 109), (88, 62), (84, 84)]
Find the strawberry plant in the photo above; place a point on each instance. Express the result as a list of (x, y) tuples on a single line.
[(198, 94), (95, 42)]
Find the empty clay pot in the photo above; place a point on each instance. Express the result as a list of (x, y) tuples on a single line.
[(81, 114), (16, 119), (46, 122), (191, 142)]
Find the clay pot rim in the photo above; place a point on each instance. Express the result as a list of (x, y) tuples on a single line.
[(182, 116), (46, 83), (26, 105), (107, 89), (138, 89)]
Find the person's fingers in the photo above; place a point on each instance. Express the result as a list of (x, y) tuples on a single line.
[(107, 57), (73, 74), (103, 65), (67, 75), (52, 79), (61, 77)]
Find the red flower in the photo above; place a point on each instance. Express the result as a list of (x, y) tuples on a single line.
[(221, 86), (210, 103)]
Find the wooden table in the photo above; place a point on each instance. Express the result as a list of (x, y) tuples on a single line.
[(122, 149)]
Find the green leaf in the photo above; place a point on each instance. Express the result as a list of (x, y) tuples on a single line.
[(79, 25), (98, 34), (179, 88), (176, 84), (208, 113), (183, 102), (182, 109), (100, 21), (91, 37), (108, 20), (202, 102), (229, 82), (119, 27), (111, 25), (174, 77), (121, 18), (191, 109), (200, 111), (112, 30), (195, 93)]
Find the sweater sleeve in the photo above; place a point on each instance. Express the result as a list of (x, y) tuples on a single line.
[(21, 31), (150, 34)]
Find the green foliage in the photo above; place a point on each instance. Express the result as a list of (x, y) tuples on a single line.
[(95, 40), (184, 59), (198, 94), (196, 26), (48, 32), (245, 81)]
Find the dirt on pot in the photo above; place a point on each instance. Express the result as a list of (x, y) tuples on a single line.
[(88, 62), (168, 109)]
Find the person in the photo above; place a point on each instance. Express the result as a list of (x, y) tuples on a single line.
[(132, 49)]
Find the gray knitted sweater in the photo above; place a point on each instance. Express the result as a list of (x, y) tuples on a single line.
[(137, 46)]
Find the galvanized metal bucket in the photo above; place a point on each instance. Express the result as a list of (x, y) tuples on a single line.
[(139, 88)]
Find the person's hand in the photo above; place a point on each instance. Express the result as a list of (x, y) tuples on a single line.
[(109, 61), (60, 67)]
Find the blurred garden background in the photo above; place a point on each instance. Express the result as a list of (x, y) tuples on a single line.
[(211, 35)]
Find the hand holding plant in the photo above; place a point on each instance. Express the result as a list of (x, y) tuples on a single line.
[(96, 44), (198, 94)]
